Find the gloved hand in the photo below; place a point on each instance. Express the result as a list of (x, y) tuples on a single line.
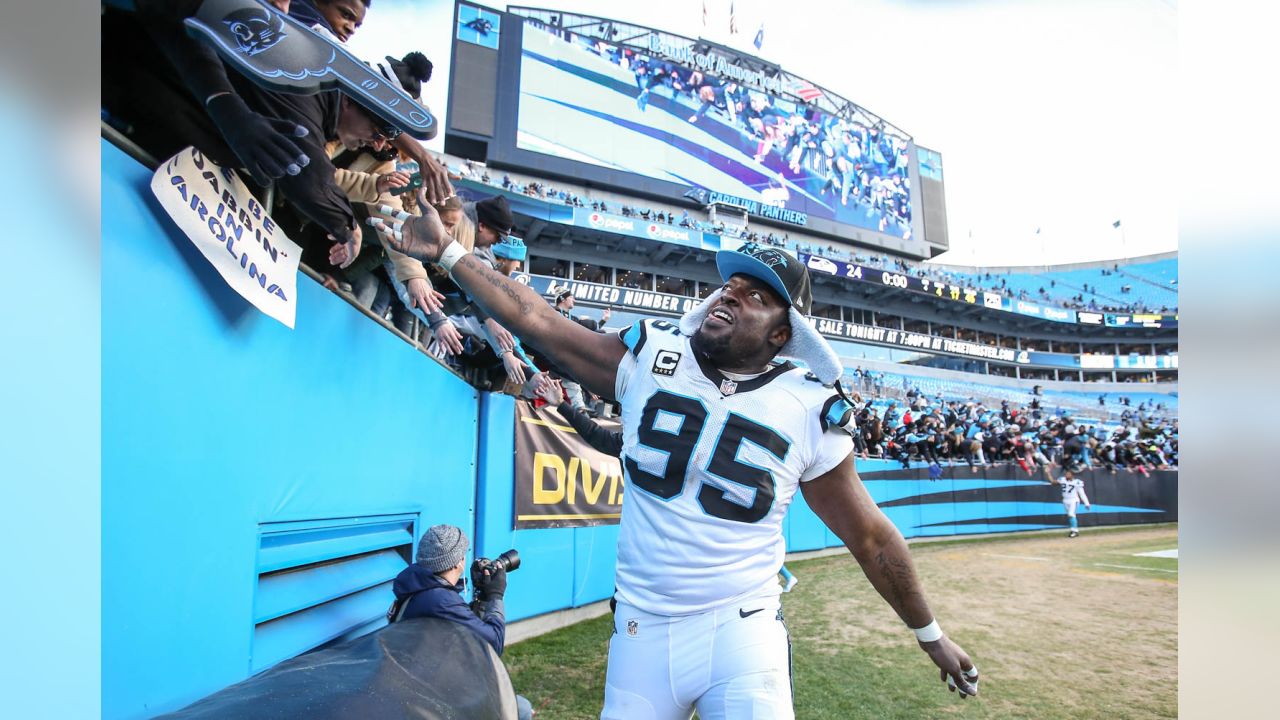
[(262, 144), (495, 585), (488, 585)]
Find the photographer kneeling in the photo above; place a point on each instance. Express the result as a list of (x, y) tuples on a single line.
[(432, 587)]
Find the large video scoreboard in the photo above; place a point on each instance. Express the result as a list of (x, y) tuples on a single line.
[(659, 115)]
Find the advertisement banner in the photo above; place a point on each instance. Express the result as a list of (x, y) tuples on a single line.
[(218, 214), (918, 341), (656, 303), (560, 481), (610, 295)]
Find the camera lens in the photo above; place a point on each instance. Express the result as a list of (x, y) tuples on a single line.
[(509, 560)]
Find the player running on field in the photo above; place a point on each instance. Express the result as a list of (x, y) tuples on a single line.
[(717, 438), (1072, 495)]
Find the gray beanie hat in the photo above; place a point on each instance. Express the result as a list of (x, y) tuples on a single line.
[(442, 547)]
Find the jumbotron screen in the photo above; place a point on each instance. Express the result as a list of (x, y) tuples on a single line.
[(589, 101)]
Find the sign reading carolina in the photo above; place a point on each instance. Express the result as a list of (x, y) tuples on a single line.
[(212, 206), (560, 480)]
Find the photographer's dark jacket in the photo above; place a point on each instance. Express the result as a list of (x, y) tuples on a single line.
[(426, 595)]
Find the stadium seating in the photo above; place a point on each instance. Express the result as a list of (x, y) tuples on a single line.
[(1081, 404), (1152, 284)]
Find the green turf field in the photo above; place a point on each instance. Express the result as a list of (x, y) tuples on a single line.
[(1059, 628)]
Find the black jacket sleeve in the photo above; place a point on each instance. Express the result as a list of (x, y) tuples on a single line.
[(198, 64), (608, 442)]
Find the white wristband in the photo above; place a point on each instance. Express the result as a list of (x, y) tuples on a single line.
[(451, 255), (928, 633)]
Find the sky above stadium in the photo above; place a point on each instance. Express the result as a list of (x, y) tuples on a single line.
[(1055, 119)]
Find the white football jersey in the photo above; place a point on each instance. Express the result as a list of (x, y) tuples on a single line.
[(1072, 490), (711, 466)]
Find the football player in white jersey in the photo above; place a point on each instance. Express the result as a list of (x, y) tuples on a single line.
[(717, 438), (1072, 489)]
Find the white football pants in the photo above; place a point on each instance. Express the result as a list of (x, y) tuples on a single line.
[(730, 663)]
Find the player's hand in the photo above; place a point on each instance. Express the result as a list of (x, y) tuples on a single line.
[(513, 366), (344, 252), (421, 237), (422, 296), (506, 343), (387, 181), (954, 666), (449, 337)]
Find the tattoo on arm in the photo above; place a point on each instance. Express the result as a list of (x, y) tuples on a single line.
[(495, 279), (900, 585)]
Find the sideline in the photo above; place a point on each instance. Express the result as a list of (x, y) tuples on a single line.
[(1134, 567), (527, 628)]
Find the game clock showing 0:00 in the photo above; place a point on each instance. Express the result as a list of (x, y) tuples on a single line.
[(924, 285), (892, 279)]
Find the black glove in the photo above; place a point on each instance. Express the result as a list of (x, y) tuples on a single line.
[(489, 585), (261, 143), (496, 585)]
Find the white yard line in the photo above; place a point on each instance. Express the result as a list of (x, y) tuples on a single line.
[(1017, 557), (1171, 554), (1134, 567)]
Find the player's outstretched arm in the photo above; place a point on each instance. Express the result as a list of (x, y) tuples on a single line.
[(591, 357), (841, 500)]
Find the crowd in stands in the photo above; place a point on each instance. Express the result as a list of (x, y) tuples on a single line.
[(336, 164), (1122, 289), (941, 431)]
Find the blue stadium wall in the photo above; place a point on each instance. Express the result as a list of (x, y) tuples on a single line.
[(261, 486)]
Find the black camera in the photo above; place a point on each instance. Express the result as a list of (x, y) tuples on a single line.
[(508, 561)]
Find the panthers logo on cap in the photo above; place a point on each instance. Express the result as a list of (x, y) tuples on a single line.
[(255, 31), (768, 256)]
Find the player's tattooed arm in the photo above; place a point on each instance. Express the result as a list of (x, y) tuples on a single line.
[(841, 500), (591, 357), (901, 585)]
